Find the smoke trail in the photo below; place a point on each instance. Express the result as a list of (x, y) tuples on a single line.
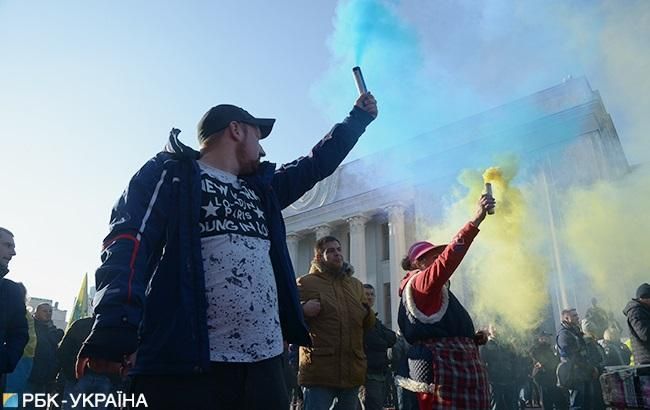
[(503, 272), (434, 62), (605, 231), (372, 34)]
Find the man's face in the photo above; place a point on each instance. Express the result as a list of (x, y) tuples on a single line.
[(7, 248), (543, 339), (573, 318), (332, 254), (370, 295), (43, 312), (249, 150)]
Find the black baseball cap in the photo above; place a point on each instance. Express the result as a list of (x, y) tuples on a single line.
[(219, 117), (643, 291)]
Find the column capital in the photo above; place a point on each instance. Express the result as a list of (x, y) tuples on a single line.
[(395, 210), (322, 230), (357, 220), (293, 236)]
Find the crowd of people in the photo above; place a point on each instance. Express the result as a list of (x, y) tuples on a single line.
[(198, 305)]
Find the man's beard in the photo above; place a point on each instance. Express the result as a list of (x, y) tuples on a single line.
[(248, 167)]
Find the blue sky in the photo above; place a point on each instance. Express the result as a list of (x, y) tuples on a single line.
[(90, 89)]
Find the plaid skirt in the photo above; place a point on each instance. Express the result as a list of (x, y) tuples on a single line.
[(458, 379)]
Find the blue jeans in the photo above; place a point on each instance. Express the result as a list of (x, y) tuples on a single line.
[(326, 398), (90, 383)]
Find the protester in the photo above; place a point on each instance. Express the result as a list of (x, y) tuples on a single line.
[(638, 322), (376, 343), (598, 318), (616, 353), (406, 399), (575, 372), (501, 364), (596, 358), (13, 325), (196, 274), (337, 312), (544, 365), (17, 380), (43, 375), (438, 326)]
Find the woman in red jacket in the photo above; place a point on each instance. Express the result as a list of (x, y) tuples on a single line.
[(444, 366)]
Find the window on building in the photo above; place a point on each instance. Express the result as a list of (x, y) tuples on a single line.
[(385, 242), (387, 316)]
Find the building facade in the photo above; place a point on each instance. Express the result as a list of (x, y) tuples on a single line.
[(563, 134)]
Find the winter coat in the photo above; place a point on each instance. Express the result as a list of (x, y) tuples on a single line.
[(500, 361), (46, 364), (543, 354), (638, 321), (616, 353), (428, 309), (336, 358), (13, 325), (70, 346), (376, 343), (151, 284)]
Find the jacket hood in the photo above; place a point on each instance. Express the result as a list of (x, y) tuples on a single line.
[(318, 267), (177, 149), (633, 304)]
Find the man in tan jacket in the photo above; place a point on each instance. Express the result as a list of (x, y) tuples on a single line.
[(337, 313)]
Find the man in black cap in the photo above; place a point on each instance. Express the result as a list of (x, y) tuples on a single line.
[(195, 273), (545, 363), (638, 321)]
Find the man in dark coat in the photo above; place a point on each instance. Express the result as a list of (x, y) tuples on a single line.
[(13, 323), (500, 361), (544, 364), (48, 336), (574, 355), (376, 343), (638, 321)]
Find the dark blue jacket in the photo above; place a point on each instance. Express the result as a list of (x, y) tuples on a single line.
[(151, 278), (13, 325)]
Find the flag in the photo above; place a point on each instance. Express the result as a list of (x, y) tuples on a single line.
[(80, 309)]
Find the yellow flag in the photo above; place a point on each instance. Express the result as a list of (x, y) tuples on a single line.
[(80, 309)]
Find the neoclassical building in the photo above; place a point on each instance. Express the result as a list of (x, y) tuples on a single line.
[(563, 135)]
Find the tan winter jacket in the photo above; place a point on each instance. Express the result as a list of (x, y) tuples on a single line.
[(337, 358)]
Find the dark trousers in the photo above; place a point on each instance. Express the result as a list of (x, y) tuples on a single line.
[(373, 395), (553, 397), (504, 397), (227, 386), (580, 397)]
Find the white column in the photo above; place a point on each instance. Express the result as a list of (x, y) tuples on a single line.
[(358, 246), (397, 249), (293, 240), (322, 230)]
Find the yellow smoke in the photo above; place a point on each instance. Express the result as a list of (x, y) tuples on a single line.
[(503, 277), (605, 231)]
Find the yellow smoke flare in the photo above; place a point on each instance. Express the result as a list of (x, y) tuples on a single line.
[(502, 278)]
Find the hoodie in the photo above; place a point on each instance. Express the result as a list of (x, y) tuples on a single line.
[(638, 322)]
